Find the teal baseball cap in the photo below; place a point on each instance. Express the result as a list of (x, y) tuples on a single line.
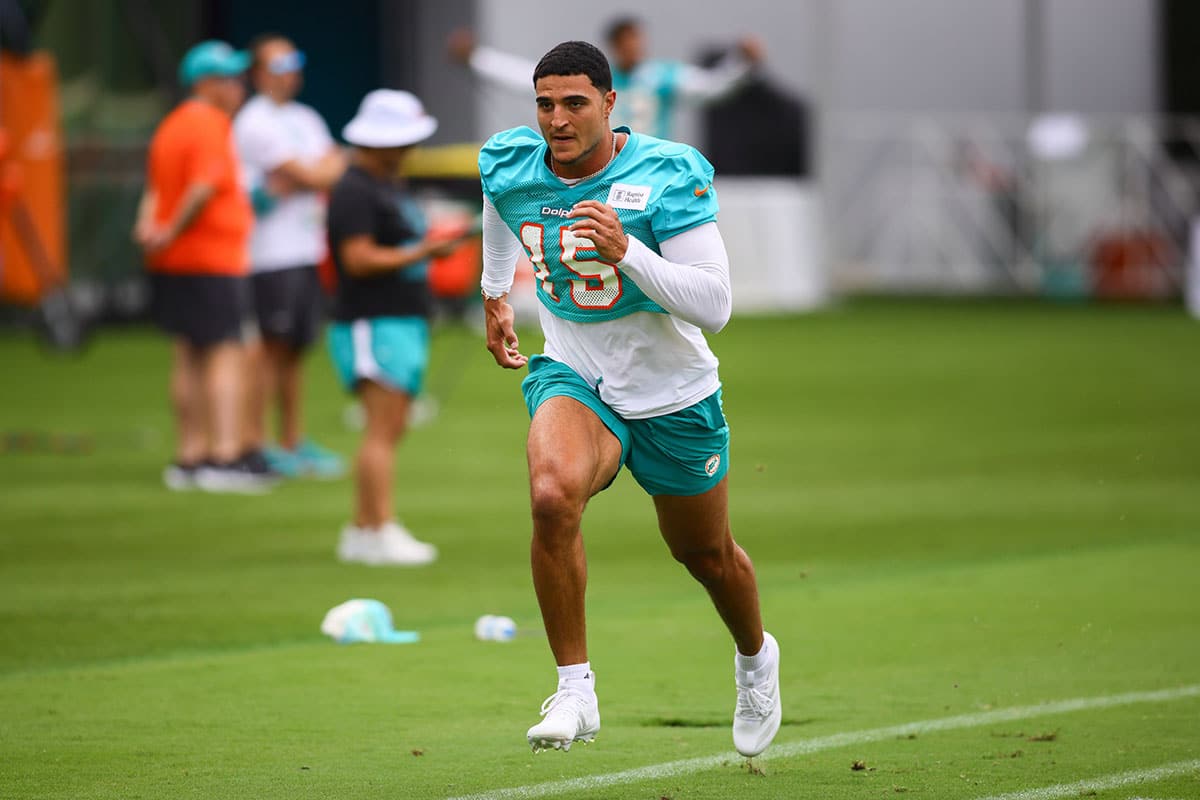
[(364, 620), (212, 58)]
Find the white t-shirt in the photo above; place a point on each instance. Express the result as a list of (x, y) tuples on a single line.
[(643, 365), (292, 233)]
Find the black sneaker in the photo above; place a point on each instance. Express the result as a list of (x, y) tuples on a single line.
[(180, 477), (237, 477), (255, 462)]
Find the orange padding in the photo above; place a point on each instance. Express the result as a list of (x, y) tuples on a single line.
[(32, 240), (456, 274)]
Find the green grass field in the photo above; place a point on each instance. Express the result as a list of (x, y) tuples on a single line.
[(956, 511)]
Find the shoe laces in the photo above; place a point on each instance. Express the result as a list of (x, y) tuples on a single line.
[(753, 702), (564, 701)]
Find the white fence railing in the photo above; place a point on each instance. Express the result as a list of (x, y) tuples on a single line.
[(1064, 205)]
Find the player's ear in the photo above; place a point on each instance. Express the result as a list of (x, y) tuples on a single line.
[(610, 99)]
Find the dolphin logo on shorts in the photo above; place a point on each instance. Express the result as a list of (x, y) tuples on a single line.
[(713, 464)]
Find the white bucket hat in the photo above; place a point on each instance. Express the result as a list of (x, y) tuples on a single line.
[(389, 118)]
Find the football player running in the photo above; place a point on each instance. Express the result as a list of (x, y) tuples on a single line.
[(630, 271)]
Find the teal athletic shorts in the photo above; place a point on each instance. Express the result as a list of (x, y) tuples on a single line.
[(685, 453), (392, 351)]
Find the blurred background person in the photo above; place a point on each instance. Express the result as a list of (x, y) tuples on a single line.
[(290, 159), (379, 340), (649, 89), (760, 128), (193, 225)]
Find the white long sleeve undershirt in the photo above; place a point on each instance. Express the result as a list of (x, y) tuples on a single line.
[(690, 279), (505, 69), (500, 252), (701, 85)]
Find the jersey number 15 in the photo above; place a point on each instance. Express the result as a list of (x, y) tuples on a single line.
[(598, 284)]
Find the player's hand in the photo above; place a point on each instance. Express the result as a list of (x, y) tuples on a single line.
[(141, 231), (460, 45), (336, 160), (439, 248), (280, 184), (600, 223), (152, 238), (501, 338), (752, 49)]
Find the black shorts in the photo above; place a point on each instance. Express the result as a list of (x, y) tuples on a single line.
[(288, 304), (203, 309)]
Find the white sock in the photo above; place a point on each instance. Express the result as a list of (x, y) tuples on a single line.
[(757, 661), (575, 672)]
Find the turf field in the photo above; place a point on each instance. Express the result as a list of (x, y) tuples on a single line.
[(963, 516)]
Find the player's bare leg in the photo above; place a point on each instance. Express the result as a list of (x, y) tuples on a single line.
[(572, 456), (387, 418), (376, 537), (696, 529), (187, 401), (257, 391), (222, 369), (285, 364)]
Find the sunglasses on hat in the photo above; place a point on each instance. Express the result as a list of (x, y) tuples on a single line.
[(286, 62)]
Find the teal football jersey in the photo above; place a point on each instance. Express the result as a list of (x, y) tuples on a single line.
[(658, 188), (646, 96)]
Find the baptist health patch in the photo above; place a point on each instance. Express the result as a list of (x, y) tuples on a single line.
[(624, 195), (712, 465)]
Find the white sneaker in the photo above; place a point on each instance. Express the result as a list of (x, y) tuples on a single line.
[(759, 711), (179, 478), (572, 714), (389, 544)]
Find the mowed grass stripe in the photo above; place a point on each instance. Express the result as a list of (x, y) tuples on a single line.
[(838, 740), (1092, 785)]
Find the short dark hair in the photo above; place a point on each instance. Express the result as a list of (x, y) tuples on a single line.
[(619, 27), (576, 58), (258, 42)]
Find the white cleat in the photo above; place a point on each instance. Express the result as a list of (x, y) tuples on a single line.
[(390, 544), (759, 711), (572, 714)]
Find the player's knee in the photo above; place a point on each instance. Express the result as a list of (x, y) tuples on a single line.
[(555, 502), (384, 433), (183, 392), (706, 565)]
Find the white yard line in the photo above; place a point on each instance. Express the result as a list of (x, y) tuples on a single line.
[(832, 742), (1104, 782)]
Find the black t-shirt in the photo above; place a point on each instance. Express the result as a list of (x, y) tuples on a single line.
[(363, 204)]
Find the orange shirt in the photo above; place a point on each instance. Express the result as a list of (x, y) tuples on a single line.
[(195, 143)]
